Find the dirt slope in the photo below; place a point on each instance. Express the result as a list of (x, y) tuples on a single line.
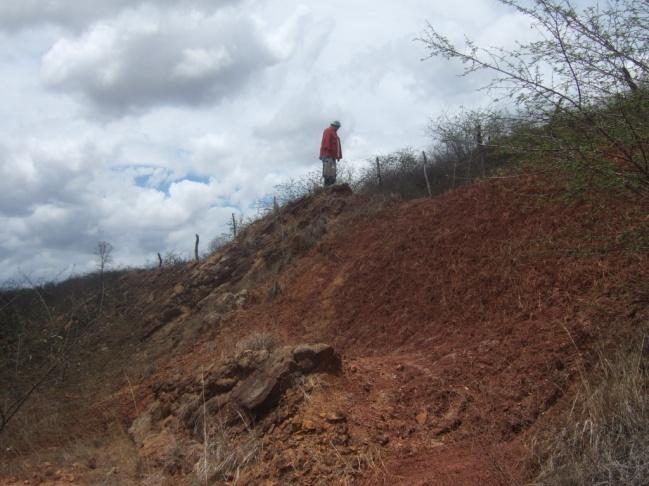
[(468, 316), (463, 323)]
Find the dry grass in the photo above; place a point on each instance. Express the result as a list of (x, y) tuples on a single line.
[(607, 439), (258, 341), (227, 453), (310, 384), (371, 463)]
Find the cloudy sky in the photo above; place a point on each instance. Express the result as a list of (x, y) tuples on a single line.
[(143, 122)]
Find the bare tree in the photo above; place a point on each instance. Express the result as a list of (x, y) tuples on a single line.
[(585, 78), (104, 251)]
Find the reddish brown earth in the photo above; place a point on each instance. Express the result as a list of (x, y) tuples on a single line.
[(473, 309), (463, 322)]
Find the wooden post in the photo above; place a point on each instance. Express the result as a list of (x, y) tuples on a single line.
[(196, 248), (234, 226), (378, 172), (20, 339), (478, 136), (430, 193), (159, 260)]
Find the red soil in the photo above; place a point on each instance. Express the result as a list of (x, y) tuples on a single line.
[(464, 322), (466, 318)]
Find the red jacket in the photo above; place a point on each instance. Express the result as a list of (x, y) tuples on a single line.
[(330, 146)]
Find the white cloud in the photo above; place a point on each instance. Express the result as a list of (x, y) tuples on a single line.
[(285, 40), (142, 122), (149, 57), (196, 63), (78, 13), (210, 153)]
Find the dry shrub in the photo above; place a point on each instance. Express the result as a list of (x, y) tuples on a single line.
[(257, 341), (607, 439), (226, 450), (172, 259), (226, 455), (402, 173)]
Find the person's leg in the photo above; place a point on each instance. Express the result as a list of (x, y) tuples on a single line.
[(328, 171), (324, 171)]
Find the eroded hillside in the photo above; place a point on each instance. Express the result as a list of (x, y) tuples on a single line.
[(349, 340)]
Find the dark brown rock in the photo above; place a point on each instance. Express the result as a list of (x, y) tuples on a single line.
[(263, 388), (316, 358)]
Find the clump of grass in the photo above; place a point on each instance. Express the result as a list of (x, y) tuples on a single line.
[(225, 452), (227, 456), (258, 341), (607, 439), (309, 384)]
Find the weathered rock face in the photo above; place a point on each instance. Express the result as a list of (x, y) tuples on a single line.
[(235, 395), (218, 284), (263, 388)]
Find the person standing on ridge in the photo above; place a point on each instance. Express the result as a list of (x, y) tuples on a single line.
[(330, 152)]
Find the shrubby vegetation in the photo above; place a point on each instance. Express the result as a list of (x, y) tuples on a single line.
[(42, 327), (463, 150), (581, 88), (465, 146)]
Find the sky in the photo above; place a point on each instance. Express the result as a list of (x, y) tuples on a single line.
[(143, 122)]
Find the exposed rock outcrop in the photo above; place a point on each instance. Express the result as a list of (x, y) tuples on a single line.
[(228, 400)]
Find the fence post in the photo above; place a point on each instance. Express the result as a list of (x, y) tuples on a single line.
[(196, 248), (234, 226), (480, 143), (378, 172), (159, 260), (430, 193)]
